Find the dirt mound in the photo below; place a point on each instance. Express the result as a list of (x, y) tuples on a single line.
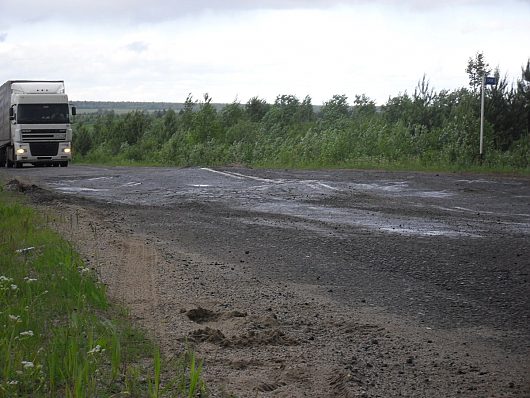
[(233, 314), (262, 338), (18, 186), (207, 335), (202, 315), (37, 193)]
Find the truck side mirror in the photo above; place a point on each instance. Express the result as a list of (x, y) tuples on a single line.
[(11, 114), (74, 111)]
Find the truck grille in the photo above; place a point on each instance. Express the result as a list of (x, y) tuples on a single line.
[(44, 148), (43, 135)]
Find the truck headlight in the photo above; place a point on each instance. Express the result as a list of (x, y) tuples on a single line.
[(20, 151), (67, 150)]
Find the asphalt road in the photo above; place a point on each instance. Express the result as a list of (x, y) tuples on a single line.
[(460, 238), (444, 251)]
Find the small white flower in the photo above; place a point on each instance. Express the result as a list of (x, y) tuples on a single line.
[(14, 287), (29, 280), (27, 333), (84, 270), (12, 382), (4, 278), (14, 318), (94, 350), (28, 364), (25, 250)]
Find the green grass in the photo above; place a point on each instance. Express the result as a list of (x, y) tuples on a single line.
[(399, 165), (59, 335)]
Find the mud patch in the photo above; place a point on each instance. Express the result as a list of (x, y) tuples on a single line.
[(201, 315)]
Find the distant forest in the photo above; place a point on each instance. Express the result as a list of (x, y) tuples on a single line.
[(90, 107), (127, 106), (422, 130)]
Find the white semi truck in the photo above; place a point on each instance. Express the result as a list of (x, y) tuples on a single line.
[(35, 124)]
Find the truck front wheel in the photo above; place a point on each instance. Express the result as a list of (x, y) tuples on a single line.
[(3, 157), (9, 151)]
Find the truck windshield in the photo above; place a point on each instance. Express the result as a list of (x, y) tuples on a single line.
[(42, 113)]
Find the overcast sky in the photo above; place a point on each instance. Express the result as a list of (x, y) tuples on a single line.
[(159, 50)]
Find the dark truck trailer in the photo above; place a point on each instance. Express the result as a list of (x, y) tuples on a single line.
[(35, 123)]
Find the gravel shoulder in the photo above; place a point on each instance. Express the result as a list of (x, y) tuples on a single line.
[(305, 299)]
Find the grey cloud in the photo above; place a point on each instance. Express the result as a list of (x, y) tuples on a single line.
[(138, 11), (3, 37)]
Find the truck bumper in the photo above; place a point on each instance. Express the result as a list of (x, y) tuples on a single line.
[(42, 152)]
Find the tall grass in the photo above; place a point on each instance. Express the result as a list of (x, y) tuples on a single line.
[(60, 337)]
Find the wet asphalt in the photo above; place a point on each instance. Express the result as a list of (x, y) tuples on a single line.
[(448, 250)]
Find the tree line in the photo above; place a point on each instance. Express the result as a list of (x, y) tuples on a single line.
[(423, 129)]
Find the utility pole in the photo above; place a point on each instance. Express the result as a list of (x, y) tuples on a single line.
[(481, 152), (486, 80)]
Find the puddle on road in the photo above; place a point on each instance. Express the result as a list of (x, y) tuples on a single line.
[(375, 221), (432, 194), (479, 181), (394, 186), (410, 232), (400, 187)]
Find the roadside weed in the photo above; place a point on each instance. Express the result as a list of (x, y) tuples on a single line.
[(154, 385), (196, 386), (59, 335)]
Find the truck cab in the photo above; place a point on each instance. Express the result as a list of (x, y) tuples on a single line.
[(39, 124)]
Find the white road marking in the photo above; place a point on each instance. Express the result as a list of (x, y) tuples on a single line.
[(258, 178), (240, 176), (233, 174), (328, 186), (222, 173)]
